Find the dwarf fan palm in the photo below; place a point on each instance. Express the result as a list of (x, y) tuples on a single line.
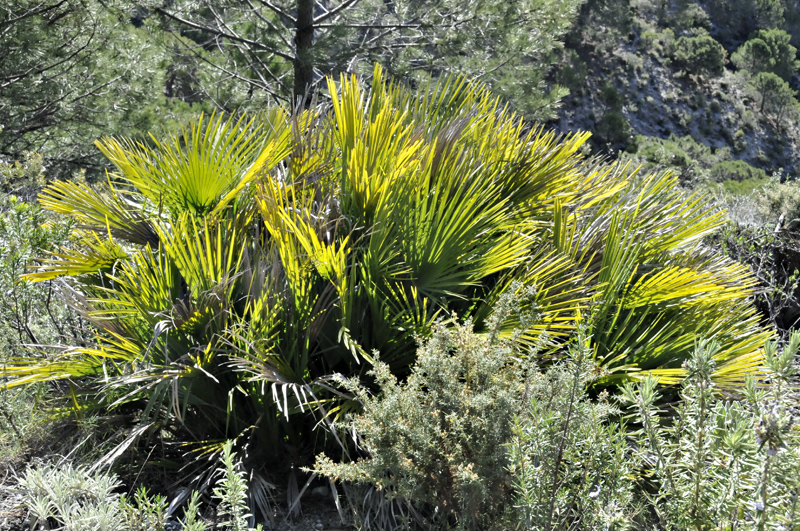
[(230, 270)]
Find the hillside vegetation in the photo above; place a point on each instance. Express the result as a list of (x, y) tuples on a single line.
[(376, 265)]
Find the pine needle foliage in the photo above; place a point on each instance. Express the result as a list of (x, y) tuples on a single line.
[(231, 268)]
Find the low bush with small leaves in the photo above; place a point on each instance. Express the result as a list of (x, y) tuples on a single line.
[(568, 456), (75, 498), (719, 463), (434, 444), (709, 461), (781, 199)]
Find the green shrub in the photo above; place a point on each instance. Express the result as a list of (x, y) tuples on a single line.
[(231, 491), (700, 55), (751, 239), (754, 56), (685, 156), (613, 128), (79, 499), (742, 187), (611, 97), (691, 16), (649, 38), (24, 178), (754, 482), (30, 313), (436, 441), (735, 20), (659, 43), (736, 170), (768, 51), (707, 461), (572, 71), (569, 458), (781, 199)]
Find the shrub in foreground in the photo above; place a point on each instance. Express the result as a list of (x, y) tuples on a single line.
[(711, 461), (63, 496), (721, 463), (434, 445), (571, 464)]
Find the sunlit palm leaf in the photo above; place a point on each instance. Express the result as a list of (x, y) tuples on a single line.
[(93, 253), (231, 269)]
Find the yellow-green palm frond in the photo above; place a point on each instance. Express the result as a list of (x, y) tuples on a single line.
[(548, 292), (91, 253), (113, 355), (207, 252), (99, 212), (205, 165), (145, 285)]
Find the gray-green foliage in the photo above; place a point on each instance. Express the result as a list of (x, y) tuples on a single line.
[(717, 462), (231, 491), (192, 520), (777, 199), (436, 441), (62, 496), (143, 511), (29, 313), (708, 461), (760, 235), (568, 457), (74, 498)]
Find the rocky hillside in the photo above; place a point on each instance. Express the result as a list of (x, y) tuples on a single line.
[(647, 76)]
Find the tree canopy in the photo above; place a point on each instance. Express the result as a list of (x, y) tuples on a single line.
[(768, 51), (283, 47), (69, 72)]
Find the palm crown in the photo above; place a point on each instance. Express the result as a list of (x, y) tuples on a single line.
[(231, 269)]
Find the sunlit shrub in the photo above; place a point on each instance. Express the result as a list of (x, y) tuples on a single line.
[(435, 444)]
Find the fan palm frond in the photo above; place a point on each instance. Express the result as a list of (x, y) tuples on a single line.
[(233, 268)]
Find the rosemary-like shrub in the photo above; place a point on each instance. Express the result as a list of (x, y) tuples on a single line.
[(436, 442), (710, 461), (720, 463), (569, 459)]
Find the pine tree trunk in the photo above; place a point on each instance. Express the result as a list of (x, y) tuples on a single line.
[(304, 41)]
